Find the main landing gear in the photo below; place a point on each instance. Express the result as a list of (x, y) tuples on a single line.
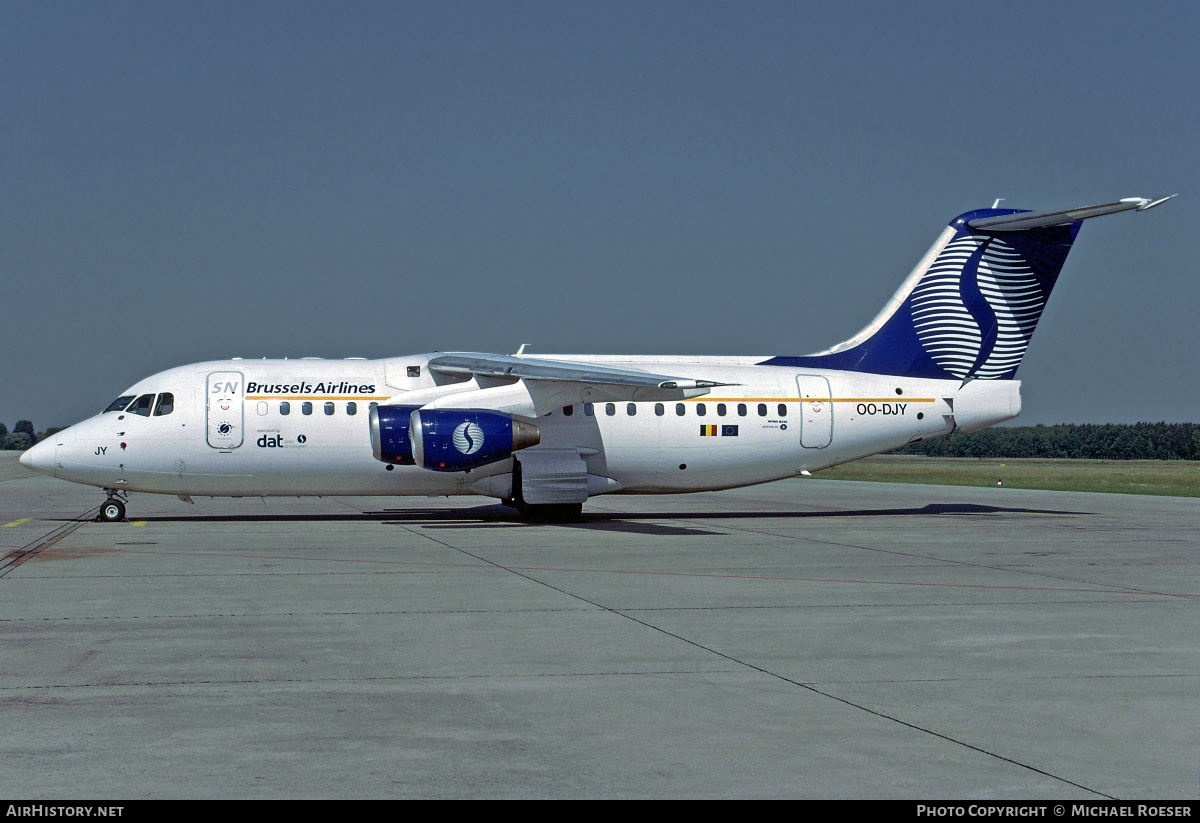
[(113, 508), (542, 512), (547, 512)]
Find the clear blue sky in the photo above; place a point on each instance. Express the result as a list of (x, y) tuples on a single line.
[(191, 181)]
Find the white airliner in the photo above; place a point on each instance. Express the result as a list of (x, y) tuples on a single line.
[(544, 433)]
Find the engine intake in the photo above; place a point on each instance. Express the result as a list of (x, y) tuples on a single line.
[(452, 440), (389, 434)]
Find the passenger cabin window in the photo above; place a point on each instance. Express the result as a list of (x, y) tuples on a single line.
[(120, 403), (285, 408), (782, 410), (306, 408), (741, 409), (659, 409), (631, 409), (701, 409), (680, 409), (328, 408), (589, 409), (610, 409), (351, 409), (165, 405), (762, 409), (142, 405), (262, 407), (720, 410)]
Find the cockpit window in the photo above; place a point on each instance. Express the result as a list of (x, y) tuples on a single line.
[(120, 403), (166, 404), (142, 405)]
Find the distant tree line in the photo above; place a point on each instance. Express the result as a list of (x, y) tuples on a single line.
[(22, 436), (1140, 441)]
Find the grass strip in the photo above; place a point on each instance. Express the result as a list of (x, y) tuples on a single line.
[(1174, 478)]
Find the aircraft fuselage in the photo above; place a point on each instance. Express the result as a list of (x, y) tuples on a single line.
[(300, 427)]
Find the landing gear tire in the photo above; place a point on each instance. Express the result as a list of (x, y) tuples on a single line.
[(112, 510), (540, 513), (553, 513)]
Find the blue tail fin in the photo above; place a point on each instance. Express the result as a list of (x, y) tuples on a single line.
[(969, 308)]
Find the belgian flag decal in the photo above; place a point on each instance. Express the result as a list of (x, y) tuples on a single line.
[(708, 431)]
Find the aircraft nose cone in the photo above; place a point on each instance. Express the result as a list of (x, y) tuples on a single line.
[(40, 458)]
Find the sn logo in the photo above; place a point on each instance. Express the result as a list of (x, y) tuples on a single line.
[(224, 388)]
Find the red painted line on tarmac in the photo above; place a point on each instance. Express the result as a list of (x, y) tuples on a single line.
[(288, 557), (498, 567)]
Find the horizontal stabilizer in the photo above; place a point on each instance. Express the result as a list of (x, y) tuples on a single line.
[(1023, 221)]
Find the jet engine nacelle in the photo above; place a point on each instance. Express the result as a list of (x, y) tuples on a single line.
[(389, 434), (452, 440)]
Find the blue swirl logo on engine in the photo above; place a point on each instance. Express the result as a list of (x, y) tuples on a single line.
[(468, 438)]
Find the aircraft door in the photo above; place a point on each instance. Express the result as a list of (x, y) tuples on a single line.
[(816, 411), (226, 391)]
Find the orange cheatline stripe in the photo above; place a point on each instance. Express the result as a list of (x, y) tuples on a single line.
[(708, 399), (702, 399), (315, 397), (877, 400), (900, 399)]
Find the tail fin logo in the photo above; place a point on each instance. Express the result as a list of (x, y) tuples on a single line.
[(975, 309)]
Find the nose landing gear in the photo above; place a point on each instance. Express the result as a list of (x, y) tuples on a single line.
[(113, 508)]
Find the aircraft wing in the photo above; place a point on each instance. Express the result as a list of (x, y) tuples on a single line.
[(529, 368), (534, 386)]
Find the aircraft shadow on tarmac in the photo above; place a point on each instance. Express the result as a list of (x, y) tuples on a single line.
[(496, 516)]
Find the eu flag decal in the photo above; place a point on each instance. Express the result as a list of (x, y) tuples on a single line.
[(708, 431), (729, 431)]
